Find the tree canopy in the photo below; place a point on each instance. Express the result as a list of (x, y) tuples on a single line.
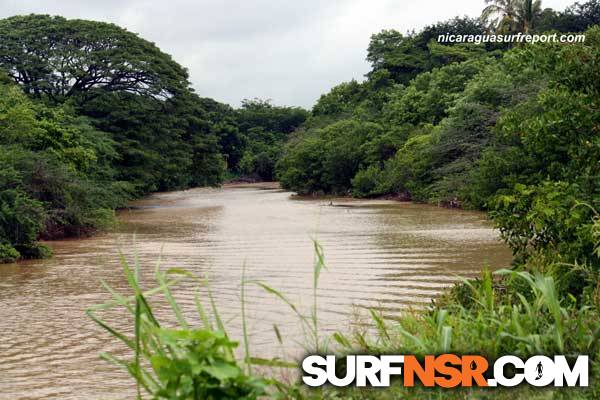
[(59, 57)]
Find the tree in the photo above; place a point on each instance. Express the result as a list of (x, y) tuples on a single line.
[(428, 97), (405, 56), (341, 99), (584, 15), (512, 15), (399, 54), (576, 18), (528, 13), (257, 113), (500, 15), (60, 58), (327, 159), (263, 129), (221, 119), (165, 136)]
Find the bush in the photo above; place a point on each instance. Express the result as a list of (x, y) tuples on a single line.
[(181, 362), (21, 218), (8, 253), (549, 218), (34, 250), (368, 182), (327, 159)]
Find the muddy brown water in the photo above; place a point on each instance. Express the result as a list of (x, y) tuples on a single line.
[(382, 254)]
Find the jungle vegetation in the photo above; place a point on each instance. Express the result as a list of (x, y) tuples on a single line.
[(510, 129), (92, 115)]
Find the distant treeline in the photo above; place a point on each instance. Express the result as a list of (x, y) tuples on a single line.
[(455, 124), (92, 115)]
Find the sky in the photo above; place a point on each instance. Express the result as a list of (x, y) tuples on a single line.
[(288, 51)]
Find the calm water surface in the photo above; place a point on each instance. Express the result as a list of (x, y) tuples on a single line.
[(382, 254)]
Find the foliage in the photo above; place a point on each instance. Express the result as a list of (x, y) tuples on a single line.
[(368, 182), (21, 220), (430, 95), (575, 18), (8, 253), (495, 122), (342, 99), (548, 225), (56, 177), (175, 148), (405, 56), (177, 363), (58, 58), (327, 159), (263, 129), (165, 136), (523, 314)]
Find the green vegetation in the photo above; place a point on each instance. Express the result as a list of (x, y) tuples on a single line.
[(510, 130), (264, 129), (183, 363), (457, 128), (513, 131), (92, 115)]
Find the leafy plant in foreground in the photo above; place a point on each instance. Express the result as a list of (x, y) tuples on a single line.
[(177, 363)]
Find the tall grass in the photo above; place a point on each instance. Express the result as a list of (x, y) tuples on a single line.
[(509, 312), (310, 323), (183, 362)]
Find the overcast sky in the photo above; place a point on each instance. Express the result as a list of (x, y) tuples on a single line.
[(288, 51)]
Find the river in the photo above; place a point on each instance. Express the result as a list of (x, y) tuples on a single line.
[(383, 254)]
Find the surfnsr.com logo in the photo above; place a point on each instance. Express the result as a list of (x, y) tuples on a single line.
[(445, 370)]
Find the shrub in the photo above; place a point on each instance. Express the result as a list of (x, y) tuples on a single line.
[(8, 253), (368, 182), (183, 362), (34, 250), (21, 218)]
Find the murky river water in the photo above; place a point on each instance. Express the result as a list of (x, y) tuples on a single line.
[(381, 254)]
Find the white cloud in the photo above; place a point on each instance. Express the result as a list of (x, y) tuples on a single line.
[(288, 51)]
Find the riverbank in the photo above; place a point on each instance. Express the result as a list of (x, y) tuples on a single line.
[(517, 312), (258, 185), (381, 255)]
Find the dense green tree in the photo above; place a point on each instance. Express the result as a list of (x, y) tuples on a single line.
[(264, 128), (326, 160), (575, 18), (404, 56), (58, 58), (164, 138), (259, 113), (430, 95), (409, 172), (341, 100), (222, 120), (56, 179)]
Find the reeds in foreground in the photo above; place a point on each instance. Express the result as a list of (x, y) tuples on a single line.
[(517, 313)]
